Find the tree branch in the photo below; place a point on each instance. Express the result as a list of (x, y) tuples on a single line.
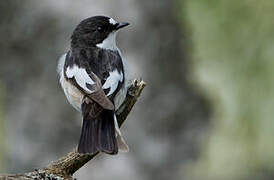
[(66, 166)]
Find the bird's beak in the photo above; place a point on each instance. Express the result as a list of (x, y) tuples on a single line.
[(121, 25)]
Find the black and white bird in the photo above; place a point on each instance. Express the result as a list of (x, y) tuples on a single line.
[(94, 76)]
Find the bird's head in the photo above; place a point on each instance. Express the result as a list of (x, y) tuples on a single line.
[(97, 31)]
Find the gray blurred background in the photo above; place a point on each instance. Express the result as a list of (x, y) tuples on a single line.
[(206, 113)]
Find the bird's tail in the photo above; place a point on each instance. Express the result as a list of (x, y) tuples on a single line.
[(98, 130)]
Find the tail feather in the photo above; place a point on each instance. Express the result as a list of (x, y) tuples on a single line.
[(88, 138), (107, 141), (98, 132)]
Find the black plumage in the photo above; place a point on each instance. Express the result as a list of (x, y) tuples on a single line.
[(88, 67), (99, 61)]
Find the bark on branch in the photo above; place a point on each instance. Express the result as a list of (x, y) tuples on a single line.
[(65, 167)]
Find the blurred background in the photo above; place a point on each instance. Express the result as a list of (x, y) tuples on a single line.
[(206, 113)]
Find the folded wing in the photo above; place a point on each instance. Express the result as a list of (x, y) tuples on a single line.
[(88, 83)]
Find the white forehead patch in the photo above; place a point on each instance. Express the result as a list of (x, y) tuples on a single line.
[(112, 21)]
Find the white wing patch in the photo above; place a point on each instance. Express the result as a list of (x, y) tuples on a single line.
[(81, 77), (112, 81)]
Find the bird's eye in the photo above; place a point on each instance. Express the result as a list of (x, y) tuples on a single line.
[(100, 29)]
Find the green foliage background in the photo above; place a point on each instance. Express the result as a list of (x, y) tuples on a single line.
[(233, 53)]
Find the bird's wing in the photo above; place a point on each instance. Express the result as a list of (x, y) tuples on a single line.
[(86, 81), (111, 84)]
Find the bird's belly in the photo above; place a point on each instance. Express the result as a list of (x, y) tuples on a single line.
[(73, 95)]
